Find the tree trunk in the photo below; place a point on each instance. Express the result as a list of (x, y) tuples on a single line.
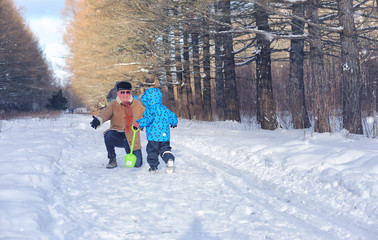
[(178, 67), (231, 93), (206, 91), (197, 77), (218, 58), (168, 74), (370, 78), (266, 107), (350, 69), (187, 92), (296, 87), (320, 106)]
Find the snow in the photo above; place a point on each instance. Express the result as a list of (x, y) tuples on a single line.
[(345, 67), (232, 181), (370, 120)]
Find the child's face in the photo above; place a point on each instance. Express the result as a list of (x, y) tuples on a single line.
[(124, 95)]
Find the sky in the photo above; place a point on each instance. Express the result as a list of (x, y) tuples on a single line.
[(231, 181), (44, 19)]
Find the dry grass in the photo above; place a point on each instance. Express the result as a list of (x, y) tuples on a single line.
[(8, 115)]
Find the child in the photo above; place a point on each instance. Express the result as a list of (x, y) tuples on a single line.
[(157, 119)]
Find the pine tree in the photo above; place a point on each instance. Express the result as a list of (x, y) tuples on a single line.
[(22, 64), (57, 101)]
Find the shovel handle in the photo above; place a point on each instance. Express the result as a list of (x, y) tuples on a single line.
[(132, 142)]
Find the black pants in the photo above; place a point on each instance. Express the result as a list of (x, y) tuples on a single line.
[(114, 139), (154, 149)]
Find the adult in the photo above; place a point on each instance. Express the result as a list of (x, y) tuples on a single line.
[(112, 95), (122, 113)]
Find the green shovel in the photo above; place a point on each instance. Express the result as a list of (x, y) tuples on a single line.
[(130, 158)]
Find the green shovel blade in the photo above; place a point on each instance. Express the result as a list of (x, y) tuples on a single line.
[(130, 160)]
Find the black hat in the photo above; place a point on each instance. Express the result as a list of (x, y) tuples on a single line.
[(124, 86)]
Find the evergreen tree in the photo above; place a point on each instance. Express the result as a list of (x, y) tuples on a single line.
[(57, 101), (22, 64)]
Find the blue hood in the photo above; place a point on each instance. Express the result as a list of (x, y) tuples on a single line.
[(152, 97)]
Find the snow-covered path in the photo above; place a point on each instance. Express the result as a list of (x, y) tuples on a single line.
[(230, 183)]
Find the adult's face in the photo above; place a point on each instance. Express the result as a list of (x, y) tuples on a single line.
[(124, 95)]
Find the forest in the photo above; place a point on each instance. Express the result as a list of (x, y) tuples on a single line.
[(217, 60), (26, 79), (224, 60)]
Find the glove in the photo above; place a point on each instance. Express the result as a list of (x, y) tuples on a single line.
[(136, 125), (173, 126), (95, 122)]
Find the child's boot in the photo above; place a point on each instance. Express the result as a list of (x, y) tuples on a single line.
[(153, 169), (170, 166)]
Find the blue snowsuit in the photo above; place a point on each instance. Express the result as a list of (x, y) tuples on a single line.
[(157, 119)]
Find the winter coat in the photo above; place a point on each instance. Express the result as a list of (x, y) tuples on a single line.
[(157, 118), (115, 112)]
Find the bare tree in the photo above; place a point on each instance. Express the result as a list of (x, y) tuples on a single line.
[(167, 66), (107, 45), (296, 88), (231, 94), (178, 64), (197, 76), (218, 59), (266, 107), (319, 105), (206, 90), (350, 69), (187, 86), (146, 42)]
